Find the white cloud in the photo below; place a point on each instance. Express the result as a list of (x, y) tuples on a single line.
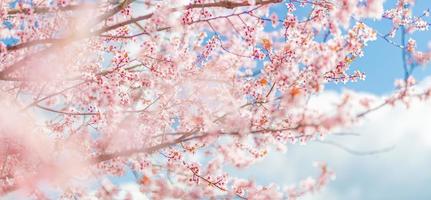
[(402, 173)]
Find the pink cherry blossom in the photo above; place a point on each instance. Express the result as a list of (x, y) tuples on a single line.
[(176, 92)]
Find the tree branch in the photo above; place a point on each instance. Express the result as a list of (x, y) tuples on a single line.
[(356, 152)]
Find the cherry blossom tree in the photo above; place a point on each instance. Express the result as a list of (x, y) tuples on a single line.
[(177, 91)]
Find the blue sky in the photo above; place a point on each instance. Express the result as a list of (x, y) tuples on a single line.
[(382, 62)]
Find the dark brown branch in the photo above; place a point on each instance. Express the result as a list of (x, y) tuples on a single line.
[(215, 184), (188, 136), (42, 10), (149, 150), (356, 152), (102, 73), (33, 43), (53, 94), (120, 24), (372, 109), (230, 4), (65, 112), (115, 10), (5, 73)]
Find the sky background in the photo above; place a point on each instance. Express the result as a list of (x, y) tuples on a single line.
[(382, 62)]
